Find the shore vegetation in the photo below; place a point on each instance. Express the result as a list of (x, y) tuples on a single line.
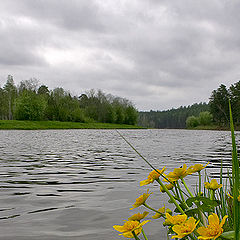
[(34, 102)]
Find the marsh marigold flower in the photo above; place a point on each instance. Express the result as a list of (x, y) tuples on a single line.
[(130, 226), (177, 219), (213, 185), (196, 168), (162, 211), (168, 186), (141, 200), (214, 229), (138, 216), (238, 198), (177, 174), (185, 228), (154, 175)]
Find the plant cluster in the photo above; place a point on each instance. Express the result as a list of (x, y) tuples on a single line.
[(211, 211), (204, 119)]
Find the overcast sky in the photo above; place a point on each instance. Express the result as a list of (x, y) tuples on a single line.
[(158, 54)]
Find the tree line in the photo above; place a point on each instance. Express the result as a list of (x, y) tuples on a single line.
[(29, 101), (216, 111), (173, 118)]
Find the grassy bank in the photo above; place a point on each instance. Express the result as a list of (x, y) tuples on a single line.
[(214, 127), (207, 127), (34, 125)]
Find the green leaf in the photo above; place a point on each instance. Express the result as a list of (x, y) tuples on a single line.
[(182, 206), (192, 212), (228, 235), (204, 200)]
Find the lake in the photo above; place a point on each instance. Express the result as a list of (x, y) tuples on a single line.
[(77, 184)]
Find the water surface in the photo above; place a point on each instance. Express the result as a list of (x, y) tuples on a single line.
[(76, 184)]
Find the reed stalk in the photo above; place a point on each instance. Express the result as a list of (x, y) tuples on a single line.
[(235, 180)]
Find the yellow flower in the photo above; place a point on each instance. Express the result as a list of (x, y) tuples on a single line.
[(185, 228), (138, 216), (166, 223), (214, 229), (168, 186), (140, 200), (129, 227), (196, 168), (177, 173), (213, 185), (154, 175), (177, 219), (238, 198), (162, 212)]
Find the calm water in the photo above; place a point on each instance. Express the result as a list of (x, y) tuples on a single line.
[(76, 184)]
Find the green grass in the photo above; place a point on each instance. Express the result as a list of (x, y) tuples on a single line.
[(35, 125), (213, 127)]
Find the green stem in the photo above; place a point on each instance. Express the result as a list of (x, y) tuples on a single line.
[(176, 189), (180, 192), (143, 158), (183, 200), (211, 194), (185, 185), (144, 235), (192, 237), (135, 236), (170, 196), (151, 208), (199, 183)]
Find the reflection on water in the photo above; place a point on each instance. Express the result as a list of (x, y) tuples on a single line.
[(75, 184)]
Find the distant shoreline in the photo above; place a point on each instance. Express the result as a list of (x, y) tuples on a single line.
[(213, 127), (42, 125)]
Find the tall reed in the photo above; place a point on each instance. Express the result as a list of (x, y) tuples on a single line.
[(235, 180)]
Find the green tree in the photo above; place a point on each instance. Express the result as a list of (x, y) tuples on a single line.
[(219, 105), (28, 85), (234, 92), (131, 115), (30, 106), (192, 122), (43, 90), (4, 106), (205, 118), (11, 93)]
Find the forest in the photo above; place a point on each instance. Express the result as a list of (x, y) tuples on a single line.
[(215, 112), (173, 118), (29, 101)]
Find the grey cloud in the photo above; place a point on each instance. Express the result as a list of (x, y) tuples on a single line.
[(71, 14), (174, 46), (17, 47)]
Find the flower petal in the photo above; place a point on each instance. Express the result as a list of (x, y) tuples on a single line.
[(223, 220), (144, 182), (202, 231), (119, 228), (213, 219)]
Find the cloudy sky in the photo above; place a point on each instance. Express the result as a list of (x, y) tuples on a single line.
[(159, 54)]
